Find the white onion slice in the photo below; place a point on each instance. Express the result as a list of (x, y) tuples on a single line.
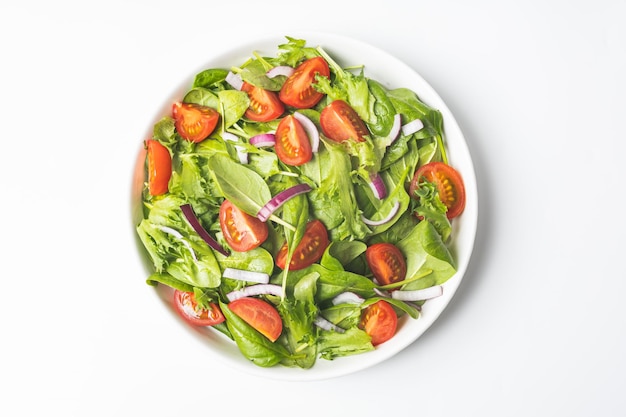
[(241, 153), (395, 128), (285, 70), (258, 289), (322, 323), (311, 130), (418, 295), (243, 275), (392, 213), (378, 186), (347, 297), (281, 198), (180, 237), (412, 127), (234, 80), (380, 292), (263, 139)]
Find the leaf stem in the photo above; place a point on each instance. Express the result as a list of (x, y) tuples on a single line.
[(405, 281)]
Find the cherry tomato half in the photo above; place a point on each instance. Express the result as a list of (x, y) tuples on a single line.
[(293, 146), (186, 305), (449, 184), (380, 321), (194, 122), (309, 250), (159, 167), (264, 104), (340, 122), (259, 314), (298, 90), (386, 263), (242, 231)]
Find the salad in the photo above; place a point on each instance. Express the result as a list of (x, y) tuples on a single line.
[(298, 207)]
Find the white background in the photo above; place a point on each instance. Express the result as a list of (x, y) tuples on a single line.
[(537, 327)]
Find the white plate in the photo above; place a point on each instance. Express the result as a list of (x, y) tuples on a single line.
[(392, 73)]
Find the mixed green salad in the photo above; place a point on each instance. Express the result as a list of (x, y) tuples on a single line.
[(299, 207)]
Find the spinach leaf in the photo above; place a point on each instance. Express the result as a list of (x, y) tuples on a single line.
[(252, 344), (339, 254), (233, 105), (407, 103), (210, 77), (425, 250), (383, 110), (239, 184), (203, 97)]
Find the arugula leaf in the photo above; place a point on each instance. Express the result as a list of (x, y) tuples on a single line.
[(298, 314), (432, 209)]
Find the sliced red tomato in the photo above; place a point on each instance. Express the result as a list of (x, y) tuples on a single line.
[(264, 104), (186, 305), (259, 314), (293, 146), (159, 167), (309, 250), (386, 262), (380, 321), (340, 122), (298, 90), (194, 122), (449, 185), (242, 231)]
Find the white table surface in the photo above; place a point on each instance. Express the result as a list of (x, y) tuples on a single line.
[(537, 327)]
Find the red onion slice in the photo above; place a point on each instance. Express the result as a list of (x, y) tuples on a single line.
[(234, 80), (347, 297), (258, 289), (323, 323), (395, 128), (310, 129), (263, 139), (418, 295), (281, 198), (412, 127), (285, 70), (241, 153), (392, 213), (243, 275), (195, 224), (378, 186)]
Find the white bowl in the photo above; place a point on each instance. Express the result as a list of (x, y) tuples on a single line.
[(392, 73)]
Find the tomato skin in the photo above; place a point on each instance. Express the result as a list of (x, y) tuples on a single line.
[(186, 305), (380, 321), (386, 262), (309, 250), (259, 314), (298, 90), (449, 184), (293, 146), (340, 122), (242, 231), (264, 104), (159, 167), (194, 122)]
